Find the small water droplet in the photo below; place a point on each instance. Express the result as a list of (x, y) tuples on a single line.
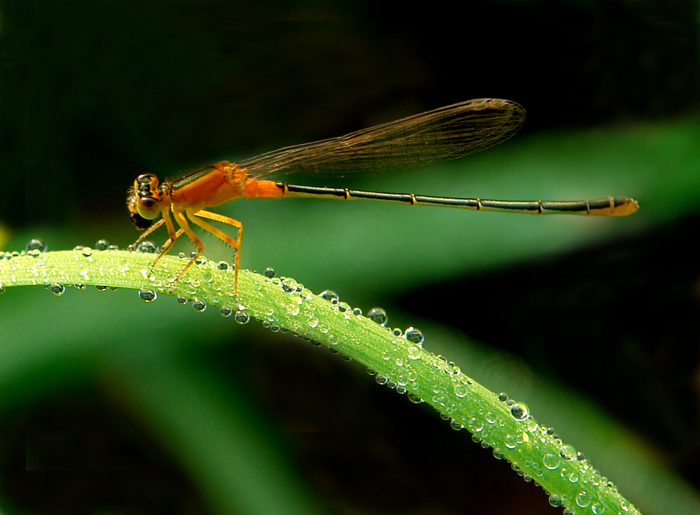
[(567, 452), (502, 397), (199, 305), (226, 311), (57, 289), (414, 335), (598, 509), (378, 315), (413, 352), (241, 317), (147, 295), (269, 273), (329, 295), (147, 247), (461, 390), (519, 411), (555, 500), (181, 300), (222, 265), (551, 461), (101, 244), (289, 285), (36, 244)]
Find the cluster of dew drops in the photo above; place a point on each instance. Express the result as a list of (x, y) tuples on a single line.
[(519, 411)]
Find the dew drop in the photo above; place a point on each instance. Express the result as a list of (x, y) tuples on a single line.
[(36, 244), (269, 273), (57, 289), (415, 399), (461, 390), (226, 311), (555, 500), (181, 300), (378, 315), (503, 397), (329, 295), (147, 295), (289, 285), (147, 247), (583, 499), (551, 461), (519, 411), (414, 335), (413, 352), (222, 265), (241, 317), (199, 305), (101, 244), (598, 509), (567, 452)]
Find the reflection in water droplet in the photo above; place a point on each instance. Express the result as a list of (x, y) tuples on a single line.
[(225, 311), (199, 305), (269, 273), (147, 295)]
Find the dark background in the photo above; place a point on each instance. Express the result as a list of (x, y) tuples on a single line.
[(94, 93)]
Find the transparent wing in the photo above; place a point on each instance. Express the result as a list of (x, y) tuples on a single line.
[(424, 139)]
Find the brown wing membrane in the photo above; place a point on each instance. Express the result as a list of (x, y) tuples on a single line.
[(424, 139)]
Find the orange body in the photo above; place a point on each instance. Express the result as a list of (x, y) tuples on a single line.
[(222, 183)]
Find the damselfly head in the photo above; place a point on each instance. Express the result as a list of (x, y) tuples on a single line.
[(143, 200)]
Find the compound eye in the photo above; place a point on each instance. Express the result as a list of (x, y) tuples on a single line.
[(148, 208), (140, 222)]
